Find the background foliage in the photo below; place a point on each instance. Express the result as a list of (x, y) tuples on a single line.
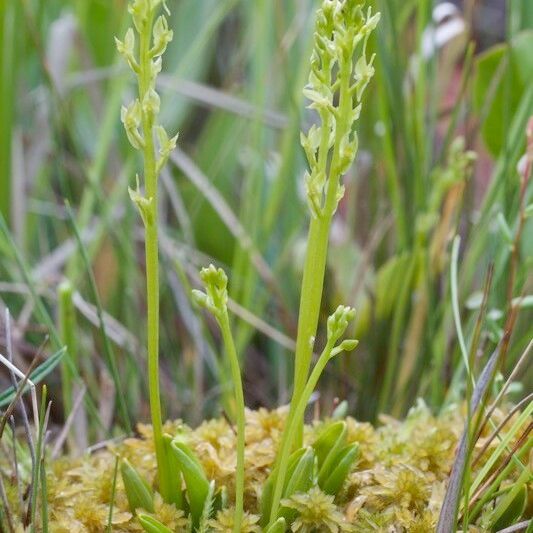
[(232, 85)]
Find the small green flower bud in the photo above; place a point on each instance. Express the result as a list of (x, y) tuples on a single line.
[(162, 36), (131, 115), (371, 22), (311, 144), (200, 299), (155, 67), (215, 298), (144, 205), (126, 49), (139, 11), (131, 118), (314, 185), (151, 104), (338, 322), (345, 346), (321, 100), (166, 145), (363, 72)]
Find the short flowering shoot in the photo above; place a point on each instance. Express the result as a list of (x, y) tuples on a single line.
[(337, 324), (215, 300)]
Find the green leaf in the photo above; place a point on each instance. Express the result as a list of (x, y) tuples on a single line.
[(390, 279), (137, 489), (175, 474), (279, 526), (509, 67), (510, 508), (327, 446), (301, 478), (268, 487), (343, 463), (300, 481), (208, 510), (195, 479), (151, 525), (220, 500), (36, 376)]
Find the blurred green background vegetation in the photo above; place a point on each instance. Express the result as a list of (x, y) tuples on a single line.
[(232, 194)]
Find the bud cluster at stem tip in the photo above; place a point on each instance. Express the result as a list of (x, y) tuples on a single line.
[(337, 324), (215, 297), (335, 88)]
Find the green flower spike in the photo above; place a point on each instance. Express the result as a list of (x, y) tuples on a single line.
[(142, 48), (340, 73)]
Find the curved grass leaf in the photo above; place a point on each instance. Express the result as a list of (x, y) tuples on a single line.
[(448, 513), (151, 525), (511, 507), (36, 376)]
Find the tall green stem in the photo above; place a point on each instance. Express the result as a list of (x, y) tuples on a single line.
[(153, 40), (152, 264)]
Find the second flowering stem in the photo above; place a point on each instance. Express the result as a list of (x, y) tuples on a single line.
[(215, 299)]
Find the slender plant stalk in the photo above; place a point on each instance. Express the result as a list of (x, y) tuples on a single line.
[(67, 330), (153, 40), (152, 264), (215, 300), (69, 364), (239, 401)]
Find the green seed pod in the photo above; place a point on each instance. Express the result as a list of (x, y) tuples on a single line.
[(138, 491)]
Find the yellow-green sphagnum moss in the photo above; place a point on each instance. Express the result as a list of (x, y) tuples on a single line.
[(396, 485)]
